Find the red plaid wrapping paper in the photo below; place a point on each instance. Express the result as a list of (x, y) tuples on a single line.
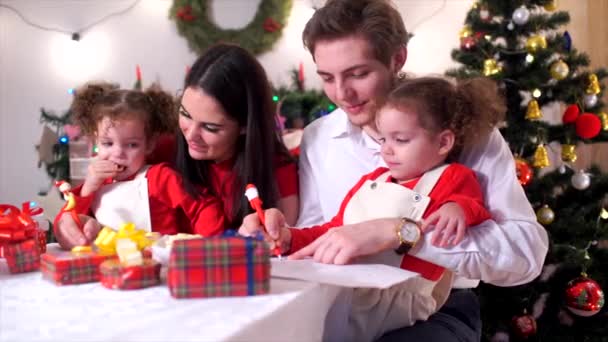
[(218, 267), (64, 267), (22, 257), (41, 241), (116, 276)]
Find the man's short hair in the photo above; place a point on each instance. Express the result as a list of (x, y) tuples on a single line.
[(378, 21)]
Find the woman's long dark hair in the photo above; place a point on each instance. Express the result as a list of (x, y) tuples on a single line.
[(238, 82)]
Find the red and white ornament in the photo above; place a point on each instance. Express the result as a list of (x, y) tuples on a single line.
[(584, 296)]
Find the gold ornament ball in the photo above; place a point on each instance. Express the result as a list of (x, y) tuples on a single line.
[(559, 70), (535, 43), (551, 6), (545, 215), (466, 31)]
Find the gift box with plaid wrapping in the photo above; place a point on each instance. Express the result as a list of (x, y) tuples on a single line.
[(21, 257), (21, 240), (115, 275), (65, 267), (218, 267)]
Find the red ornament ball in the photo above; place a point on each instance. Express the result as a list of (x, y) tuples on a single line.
[(584, 296), (524, 326), (588, 126), (571, 114), (524, 171)]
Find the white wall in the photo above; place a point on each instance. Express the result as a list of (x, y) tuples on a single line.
[(38, 67)]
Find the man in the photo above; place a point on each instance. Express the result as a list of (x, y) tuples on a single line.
[(359, 47)]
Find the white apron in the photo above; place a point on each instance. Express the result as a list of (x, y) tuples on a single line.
[(375, 311), (124, 202)]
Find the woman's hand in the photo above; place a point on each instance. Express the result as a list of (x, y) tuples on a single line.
[(276, 229), (343, 244), (69, 235)]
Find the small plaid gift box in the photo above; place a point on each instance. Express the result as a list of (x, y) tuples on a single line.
[(218, 267), (115, 275), (65, 267), (21, 257), (21, 242)]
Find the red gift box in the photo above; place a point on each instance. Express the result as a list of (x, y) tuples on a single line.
[(21, 243), (218, 267), (21, 257), (65, 267), (115, 275)]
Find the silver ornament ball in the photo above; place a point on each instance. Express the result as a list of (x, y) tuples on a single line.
[(590, 100), (580, 180), (521, 15)]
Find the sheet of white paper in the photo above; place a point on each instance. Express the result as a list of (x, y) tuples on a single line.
[(353, 275)]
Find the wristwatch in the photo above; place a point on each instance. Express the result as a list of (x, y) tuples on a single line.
[(408, 232)]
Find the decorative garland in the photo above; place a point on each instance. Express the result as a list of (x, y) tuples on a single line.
[(193, 23)]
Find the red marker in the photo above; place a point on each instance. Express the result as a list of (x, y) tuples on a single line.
[(251, 192)]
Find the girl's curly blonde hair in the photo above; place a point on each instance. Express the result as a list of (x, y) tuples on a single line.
[(95, 101), (470, 108)]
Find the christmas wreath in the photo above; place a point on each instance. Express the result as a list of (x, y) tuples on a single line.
[(192, 18)]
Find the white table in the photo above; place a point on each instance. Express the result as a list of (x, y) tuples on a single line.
[(34, 309)]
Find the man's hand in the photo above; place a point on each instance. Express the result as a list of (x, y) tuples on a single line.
[(450, 225)]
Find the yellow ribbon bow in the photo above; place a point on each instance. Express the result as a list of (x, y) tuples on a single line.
[(127, 243)]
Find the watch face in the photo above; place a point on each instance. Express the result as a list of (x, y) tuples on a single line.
[(410, 231)]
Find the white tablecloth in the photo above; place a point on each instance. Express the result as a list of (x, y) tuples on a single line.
[(34, 309)]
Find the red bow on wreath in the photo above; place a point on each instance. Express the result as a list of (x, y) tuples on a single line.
[(15, 225), (271, 25), (185, 13)]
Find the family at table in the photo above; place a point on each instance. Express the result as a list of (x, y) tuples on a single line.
[(406, 172)]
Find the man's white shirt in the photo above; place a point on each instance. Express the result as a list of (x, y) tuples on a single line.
[(508, 250)]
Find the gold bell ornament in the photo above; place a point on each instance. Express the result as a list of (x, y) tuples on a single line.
[(594, 85), (569, 153), (559, 70), (541, 157), (604, 119), (491, 67), (535, 43), (533, 112), (551, 6)]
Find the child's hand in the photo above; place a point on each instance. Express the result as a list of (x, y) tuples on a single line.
[(450, 224), (69, 235), (98, 171), (276, 229)]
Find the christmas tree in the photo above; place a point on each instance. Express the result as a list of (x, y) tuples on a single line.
[(298, 106), (53, 149), (523, 46)]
